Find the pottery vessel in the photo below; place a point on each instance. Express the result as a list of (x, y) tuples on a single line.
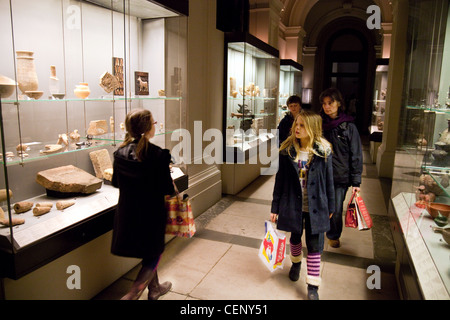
[(26, 71), (445, 233), (435, 208), (34, 94), (7, 86), (82, 90)]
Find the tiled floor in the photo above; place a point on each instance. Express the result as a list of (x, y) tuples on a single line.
[(221, 260)]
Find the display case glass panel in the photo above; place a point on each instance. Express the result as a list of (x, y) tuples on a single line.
[(251, 95), (420, 188), (379, 96), (290, 84), (80, 66)]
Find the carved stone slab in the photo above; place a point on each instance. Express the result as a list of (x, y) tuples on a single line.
[(68, 179)]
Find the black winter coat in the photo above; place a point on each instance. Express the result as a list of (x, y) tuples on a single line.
[(347, 153), (287, 193), (284, 127), (141, 217)]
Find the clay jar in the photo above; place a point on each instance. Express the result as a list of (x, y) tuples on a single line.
[(82, 90), (26, 71)]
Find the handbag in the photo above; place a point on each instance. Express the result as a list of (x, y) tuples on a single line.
[(351, 215), (273, 248), (180, 219), (363, 213)]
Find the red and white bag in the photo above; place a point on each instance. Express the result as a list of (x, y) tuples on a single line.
[(273, 248)]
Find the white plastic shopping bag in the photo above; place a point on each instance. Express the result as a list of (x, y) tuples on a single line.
[(273, 248)]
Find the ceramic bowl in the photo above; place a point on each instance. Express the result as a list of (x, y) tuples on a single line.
[(58, 95), (7, 86), (435, 208), (34, 94), (445, 233)]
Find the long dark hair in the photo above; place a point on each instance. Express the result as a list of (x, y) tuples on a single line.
[(137, 123)]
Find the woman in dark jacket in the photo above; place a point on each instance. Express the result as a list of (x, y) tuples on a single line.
[(303, 195), (142, 173), (341, 132)]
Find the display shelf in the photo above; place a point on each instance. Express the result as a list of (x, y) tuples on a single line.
[(105, 99), (428, 251)]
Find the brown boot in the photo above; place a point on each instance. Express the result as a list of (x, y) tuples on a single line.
[(145, 276), (156, 290)]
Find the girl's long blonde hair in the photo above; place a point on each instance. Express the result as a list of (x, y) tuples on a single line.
[(137, 123), (313, 126)]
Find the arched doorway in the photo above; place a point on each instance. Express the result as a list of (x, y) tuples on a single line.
[(346, 60)]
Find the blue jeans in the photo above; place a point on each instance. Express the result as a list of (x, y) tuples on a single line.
[(336, 220), (314, 242)]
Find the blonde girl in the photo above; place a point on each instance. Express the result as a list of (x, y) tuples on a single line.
[(303, 195)]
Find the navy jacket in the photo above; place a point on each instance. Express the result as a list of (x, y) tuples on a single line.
[(287, 194)]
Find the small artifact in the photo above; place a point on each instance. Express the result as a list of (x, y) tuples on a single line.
[(38, 211), (23, 206), (7, 86), (53, 84), (9, 154), (109, 82), (444, 136), (26, 71), (51, 148), (107, 174), (435, 208), (82, 90), (430, 184), (22, 147), (5, 221), (63, 140), (111, 124), (44, 204), (233, 91), (74, 136), (97, 127), (68, 179), (122, 126), (101, 161), (445, 233), (3, 194), (161, 93), (34, 94), (63, 204), (58, 95)]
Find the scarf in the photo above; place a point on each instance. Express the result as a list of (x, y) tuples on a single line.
[(328, 123)]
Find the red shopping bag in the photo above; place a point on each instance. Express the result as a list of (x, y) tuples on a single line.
[(351, 215)]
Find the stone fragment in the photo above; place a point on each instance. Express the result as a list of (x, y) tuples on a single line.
[(68, 179)]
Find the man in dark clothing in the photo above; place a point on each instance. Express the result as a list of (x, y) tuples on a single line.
[(285, 125)]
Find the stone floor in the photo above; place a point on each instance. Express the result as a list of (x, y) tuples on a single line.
[(221, 261)]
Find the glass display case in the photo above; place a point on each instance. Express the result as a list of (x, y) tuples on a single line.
[(379, 96), (290, 84), (378, 106), (420, 188), (70, 72), (250, 95)]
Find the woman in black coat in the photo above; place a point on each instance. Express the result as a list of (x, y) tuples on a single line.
[(303, 194), (341, 132), (142, 173)]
